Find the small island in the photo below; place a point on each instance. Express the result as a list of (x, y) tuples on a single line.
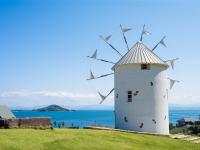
[(52, 108)]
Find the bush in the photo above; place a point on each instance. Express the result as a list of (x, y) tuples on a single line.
[(1, 123), (194, 129), (177, 130), (186, 130)]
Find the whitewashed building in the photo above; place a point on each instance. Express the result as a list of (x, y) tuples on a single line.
[(141, 91)]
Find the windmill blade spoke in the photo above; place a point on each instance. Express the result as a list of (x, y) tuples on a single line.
[(101, 101), (123, 31), (106, 61), (92, 77), (110, 92), (142, 32), (105, 75), (110, 45), (155, 47), (104, 97), (126, 42), (114, 49)]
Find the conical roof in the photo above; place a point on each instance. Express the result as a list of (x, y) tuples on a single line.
[(140, 54)]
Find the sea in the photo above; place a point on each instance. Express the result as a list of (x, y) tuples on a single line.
[(82, 118)]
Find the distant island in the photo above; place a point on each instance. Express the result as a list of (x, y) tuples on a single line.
[(52, 108)]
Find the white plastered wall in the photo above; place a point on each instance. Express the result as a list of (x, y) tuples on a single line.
[(149, 106)]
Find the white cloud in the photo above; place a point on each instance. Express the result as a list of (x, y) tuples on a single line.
[(28, 98), (55, 94)]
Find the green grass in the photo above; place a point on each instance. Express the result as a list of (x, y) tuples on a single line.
[(82, 139)]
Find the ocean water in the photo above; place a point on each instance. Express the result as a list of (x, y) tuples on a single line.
[(83, 118)]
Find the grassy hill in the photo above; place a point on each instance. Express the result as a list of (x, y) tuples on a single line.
[(82, 139)]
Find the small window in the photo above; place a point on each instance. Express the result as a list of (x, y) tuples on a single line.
[(129, 96), (145, 66)]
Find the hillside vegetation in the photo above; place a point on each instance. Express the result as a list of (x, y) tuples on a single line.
[(82, 139), (52, 108)]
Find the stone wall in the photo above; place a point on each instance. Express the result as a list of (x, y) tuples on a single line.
[(29, 122)]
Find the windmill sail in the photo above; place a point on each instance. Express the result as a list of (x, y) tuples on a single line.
[(94, 55), (91, 76), (144, 32), (126, 29), (106, 40), (123, 31), (172, 62), (172, 82), (104, 97), (162, 42)]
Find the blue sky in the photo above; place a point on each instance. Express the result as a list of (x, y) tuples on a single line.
[(44, 45)]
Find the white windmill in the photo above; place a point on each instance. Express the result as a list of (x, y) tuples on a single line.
[(140, 88)]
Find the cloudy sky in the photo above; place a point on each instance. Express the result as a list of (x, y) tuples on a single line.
[(44, 45)]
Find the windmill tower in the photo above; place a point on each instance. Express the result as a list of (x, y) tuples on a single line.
[(141, 88)]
